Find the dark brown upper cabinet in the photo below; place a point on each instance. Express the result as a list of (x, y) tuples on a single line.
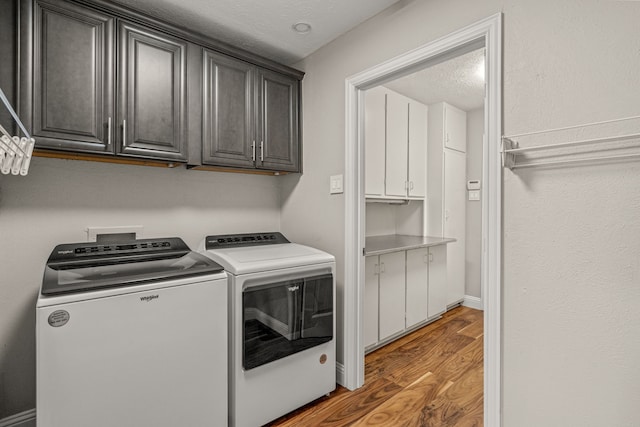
[(278, 121), (76, 107), (250, 116), (228, 112), (151, 93), (100, 78), (73, 77)]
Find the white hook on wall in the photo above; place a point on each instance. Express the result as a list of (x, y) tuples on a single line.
[(15, 152)]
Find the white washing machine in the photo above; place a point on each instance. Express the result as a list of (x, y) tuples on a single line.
[(281, 324), (131, 334)]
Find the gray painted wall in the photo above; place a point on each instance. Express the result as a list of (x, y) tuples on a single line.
[(571, 236), (58, 200)]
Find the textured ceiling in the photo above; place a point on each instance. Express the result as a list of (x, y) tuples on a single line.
[(458, 81), (265, 27)]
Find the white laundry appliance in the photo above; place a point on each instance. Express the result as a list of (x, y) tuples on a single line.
[(281, 324), (131, 334)]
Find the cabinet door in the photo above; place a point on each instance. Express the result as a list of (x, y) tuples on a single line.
[(392, 294), (417, 286), (278, 133), (437, 280), (228, 115), (152, 94), (371, 300), (417, 149), (73, 75), (374, 141), (455, 191), (455, 127), (397, 139)]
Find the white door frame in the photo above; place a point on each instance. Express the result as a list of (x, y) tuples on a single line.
[(487, 33)]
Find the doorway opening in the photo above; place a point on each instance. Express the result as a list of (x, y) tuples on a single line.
[(485, 36)]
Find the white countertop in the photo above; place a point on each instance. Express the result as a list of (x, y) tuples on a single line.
[(377, 245)]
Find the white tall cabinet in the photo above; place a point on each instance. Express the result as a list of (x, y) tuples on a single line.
[(446, 201)]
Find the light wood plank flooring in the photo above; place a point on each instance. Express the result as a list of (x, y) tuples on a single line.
[(432, 377)]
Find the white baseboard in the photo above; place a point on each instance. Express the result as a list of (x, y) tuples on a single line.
[(473, 302), (23, 419), (340, 379)]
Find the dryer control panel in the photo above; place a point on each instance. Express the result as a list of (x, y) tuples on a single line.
[(246, 239)]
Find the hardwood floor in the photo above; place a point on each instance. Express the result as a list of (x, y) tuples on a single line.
[(430, 378)]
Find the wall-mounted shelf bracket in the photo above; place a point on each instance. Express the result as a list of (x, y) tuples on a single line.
[(508, 158)]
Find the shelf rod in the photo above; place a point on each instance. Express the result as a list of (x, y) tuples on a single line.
[(570, 144), (571, 127), (569, 161)]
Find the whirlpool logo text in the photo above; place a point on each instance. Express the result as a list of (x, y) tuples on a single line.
[(149, 298)]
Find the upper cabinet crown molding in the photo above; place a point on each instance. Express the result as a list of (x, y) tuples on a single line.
[(139, 17)]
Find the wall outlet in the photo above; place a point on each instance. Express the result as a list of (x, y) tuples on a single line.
[(134, 230)]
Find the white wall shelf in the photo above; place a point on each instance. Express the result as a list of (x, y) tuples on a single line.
[(624, 146)]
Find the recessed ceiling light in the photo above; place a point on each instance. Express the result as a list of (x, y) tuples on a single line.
[(301, 27)]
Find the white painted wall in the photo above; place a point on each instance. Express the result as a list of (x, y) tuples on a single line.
[(60, 198), (383, 218), (475, 129), (571, 236)]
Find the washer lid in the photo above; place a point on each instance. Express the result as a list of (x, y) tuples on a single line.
[(82, 267), (252, 259)]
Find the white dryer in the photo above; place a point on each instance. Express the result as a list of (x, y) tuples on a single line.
[(281, 324), (131, 334)]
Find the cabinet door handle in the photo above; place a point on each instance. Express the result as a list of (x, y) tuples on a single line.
[(109, 131), (430, 257), (426, 258), (382, 267), (262, 151), (410, 185), (253, 151), (124, 133), (376, 270)]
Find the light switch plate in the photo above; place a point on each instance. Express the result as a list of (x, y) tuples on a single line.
[(335, 184), (474, 195)]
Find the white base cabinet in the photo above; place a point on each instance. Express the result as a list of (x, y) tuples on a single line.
[(392, 294), (417, 286), (402, 290), (371, 299), (437, 303)]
